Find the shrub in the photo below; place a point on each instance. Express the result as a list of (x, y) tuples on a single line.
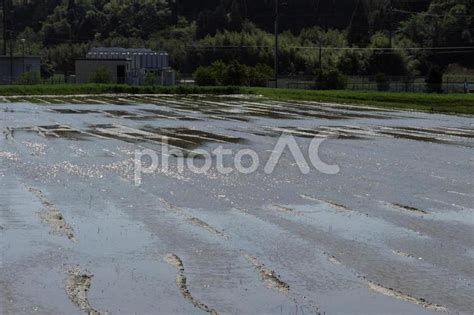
[(408, 81), (102, 75), (382, 82), (393, 63), (150, 78), (29, 78), (47, 70), (331, 80), (335, 80), (434, 80), (204, 76), (259, 75), (236, 74), (352, 62), (211, 75)]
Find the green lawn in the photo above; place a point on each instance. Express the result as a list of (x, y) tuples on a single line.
[(71, 89), (441, 103)]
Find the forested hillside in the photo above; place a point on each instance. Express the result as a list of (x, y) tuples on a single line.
[(355, 34)]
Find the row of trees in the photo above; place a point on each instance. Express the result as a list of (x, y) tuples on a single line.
[(355, 39), (59, 21), (139, 16)]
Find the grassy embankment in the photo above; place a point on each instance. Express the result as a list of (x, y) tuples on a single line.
[(441, 103)]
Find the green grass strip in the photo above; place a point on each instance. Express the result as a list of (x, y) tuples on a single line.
[(439, 103)]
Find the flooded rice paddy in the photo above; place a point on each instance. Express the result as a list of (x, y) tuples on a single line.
[(391, 233)]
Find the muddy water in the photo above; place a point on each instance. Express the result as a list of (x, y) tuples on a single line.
[(392, 233)]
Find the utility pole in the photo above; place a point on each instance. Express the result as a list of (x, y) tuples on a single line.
[(390, 21), (321, 51), (320, 62), (11, 56), (390, 37), (23, 50), (438, 58), (277, 22), (4, 13), (176, 12)]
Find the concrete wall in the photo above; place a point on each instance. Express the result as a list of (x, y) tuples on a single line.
[(87, 68), (30, 63)]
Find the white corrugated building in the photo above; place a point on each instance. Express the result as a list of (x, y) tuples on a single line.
[(127, 65)]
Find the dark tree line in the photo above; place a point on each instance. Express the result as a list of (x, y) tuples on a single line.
[(84, 19), (197, 32)]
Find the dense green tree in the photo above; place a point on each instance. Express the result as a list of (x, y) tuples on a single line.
[(63, 56), (47, 69), (211, 21), (434, 79), (136, 18), (448, 23), (236, 16), (359, 29), (352, 63), (201, 32)]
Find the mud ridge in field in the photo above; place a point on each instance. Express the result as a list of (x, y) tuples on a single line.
[(282, 208), (9, 133), (181, 282), (198, 222), (193, 220), (56, 131), (408, 208), (333, 260), (333, 204), (441, 131), (403, 254), (448, 136), (268, 276), (337, 206), (52, 216), (77, 288), (404, 297)]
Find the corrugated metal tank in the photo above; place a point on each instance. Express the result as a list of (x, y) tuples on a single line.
[(165, 62)]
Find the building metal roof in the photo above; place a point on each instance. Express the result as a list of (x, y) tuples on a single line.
[(120, 50), (103, 59)]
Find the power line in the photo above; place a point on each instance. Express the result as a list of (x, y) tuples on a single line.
[(430, 14), (4, 14), (230, 47), (277, 21)]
